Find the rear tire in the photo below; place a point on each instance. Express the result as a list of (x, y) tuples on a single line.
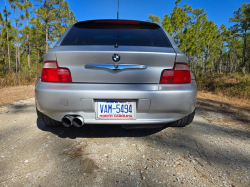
[(184, 121), (47, 120)]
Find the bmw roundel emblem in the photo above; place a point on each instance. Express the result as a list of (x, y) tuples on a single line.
[(116, 57)]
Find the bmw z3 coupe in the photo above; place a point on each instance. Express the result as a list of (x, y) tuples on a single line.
[(123, 72)]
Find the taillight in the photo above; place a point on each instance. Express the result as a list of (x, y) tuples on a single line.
[(118, 21), (52, 73), (179, 75)]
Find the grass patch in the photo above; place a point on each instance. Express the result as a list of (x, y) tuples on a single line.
[(18, 79), (231, 85)]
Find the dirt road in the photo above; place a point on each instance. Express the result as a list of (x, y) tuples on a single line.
[(213, 151)]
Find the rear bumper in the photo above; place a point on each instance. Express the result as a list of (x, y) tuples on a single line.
[(154, 103)]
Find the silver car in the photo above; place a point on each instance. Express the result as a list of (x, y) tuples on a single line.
[(119, 72)]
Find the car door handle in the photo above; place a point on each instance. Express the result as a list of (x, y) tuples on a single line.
[(116, 66)]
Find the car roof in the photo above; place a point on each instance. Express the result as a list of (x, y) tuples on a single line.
[(117, 21)]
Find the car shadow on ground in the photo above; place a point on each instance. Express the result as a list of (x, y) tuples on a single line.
[(105, 131), (97, 131)]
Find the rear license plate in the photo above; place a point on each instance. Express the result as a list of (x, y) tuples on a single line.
[(116, 109)]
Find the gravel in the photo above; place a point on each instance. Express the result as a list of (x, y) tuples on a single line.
[(208, 152)]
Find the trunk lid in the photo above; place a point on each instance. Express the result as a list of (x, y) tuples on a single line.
[(75, 58)]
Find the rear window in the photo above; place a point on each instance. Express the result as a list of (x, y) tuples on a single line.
[(127, 33)]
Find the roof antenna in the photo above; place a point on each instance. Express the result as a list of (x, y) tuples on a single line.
[(118, 10)]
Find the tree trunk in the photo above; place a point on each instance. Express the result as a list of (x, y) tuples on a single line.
[(16, 58), (18, 47), (28, 43), (18, 51), (37, 57), (18, 54), (16, 40), (230, 61), (47, 36), (7, 34), (4, 71), (234, 65), (194, 64), (221, 56), (244, 53), (8, 45)]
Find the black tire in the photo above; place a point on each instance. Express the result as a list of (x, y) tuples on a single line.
[(184, 121), (47, 120)]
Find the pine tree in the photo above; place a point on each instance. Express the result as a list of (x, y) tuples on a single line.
[(15, 4), (27, 4), (2, 45), (242, 26), (7, 26), (154, 19), (56, 16)]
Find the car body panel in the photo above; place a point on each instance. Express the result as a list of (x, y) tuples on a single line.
[(75, 58), (155, 103)]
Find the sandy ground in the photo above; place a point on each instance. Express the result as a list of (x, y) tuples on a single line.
[(16, 93), (212, 151)]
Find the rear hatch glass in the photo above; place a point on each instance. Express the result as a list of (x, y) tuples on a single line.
[(125, 33)]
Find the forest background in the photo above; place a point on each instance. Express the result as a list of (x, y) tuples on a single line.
[(218, 56)]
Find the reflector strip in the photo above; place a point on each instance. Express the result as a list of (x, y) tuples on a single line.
[(50, 65)]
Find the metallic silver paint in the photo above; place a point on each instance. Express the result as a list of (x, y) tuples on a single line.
[(154, 58), (155, 103)]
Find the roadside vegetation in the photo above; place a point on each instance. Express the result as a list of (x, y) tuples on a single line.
[(209, 47), (233, 85), (28, 29), (218, 56), (20, 79)]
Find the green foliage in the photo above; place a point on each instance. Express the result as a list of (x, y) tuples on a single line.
[(232, 85), (154, 19), (23, 48), (214, 53), (241, 18), (241, 29), (213, 48)]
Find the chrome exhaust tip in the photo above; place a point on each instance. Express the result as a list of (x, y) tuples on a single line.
[(67, 120), (78, 121)]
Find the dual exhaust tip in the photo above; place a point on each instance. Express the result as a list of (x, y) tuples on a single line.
[(68, 121)]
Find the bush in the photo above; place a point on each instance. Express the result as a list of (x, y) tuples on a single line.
[(18, 79), (231, 85)]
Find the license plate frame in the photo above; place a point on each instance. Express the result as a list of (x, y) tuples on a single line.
[(115, 101)]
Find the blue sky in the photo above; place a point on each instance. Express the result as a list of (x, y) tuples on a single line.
[(218, 10)]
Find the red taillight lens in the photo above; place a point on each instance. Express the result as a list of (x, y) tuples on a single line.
[(179, 75), (52, 73)]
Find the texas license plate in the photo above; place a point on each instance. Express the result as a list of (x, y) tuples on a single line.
[(116, 109)]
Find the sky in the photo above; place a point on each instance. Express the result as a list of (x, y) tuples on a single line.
[(218, 10)]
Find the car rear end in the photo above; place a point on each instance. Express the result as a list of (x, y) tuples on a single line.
[(116, 72)]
